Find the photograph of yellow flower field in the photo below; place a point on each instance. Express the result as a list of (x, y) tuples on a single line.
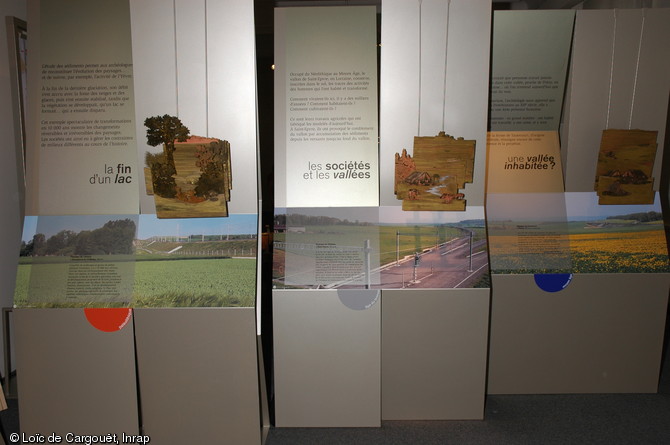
[(599, 239), (619, 252), (528, 233), (616, 238)]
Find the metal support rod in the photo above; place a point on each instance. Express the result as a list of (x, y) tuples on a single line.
[(471, 236), (397, 247), (366, 263)]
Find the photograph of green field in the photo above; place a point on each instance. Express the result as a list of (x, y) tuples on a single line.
[(76, 261), (201, 262), (195, 282), (196, 262)]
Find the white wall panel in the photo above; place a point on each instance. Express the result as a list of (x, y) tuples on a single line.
[(197, 60), (231, 57), (155, 72), (10, 199), (467, 71), (602, 94), (191, 51)]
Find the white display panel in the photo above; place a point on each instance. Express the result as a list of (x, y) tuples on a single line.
[(81, 154), (530, 57), (326, 107), (91, 386)]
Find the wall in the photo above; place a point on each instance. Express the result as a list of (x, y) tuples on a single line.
[(10, 219)]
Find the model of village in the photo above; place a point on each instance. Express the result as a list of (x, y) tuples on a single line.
[(192, 176), (431, 178), (625, 164)]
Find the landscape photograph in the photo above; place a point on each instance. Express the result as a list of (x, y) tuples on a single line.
[(616, 238), (138, 261), (76, 261), (385, 249), (591, 238), (196, 262), (528, 233)]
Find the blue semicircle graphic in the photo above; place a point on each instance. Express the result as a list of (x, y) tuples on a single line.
[(553, 282)]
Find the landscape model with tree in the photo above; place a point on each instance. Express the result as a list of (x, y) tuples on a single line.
[(192, 176)]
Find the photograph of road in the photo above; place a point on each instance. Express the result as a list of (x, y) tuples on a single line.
[(457, 263), (382, 249)]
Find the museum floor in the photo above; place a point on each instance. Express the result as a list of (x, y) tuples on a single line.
[(610, 419)]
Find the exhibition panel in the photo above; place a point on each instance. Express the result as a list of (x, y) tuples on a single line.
[(530, 57), (619, 80), (326, 86), (148, 213), (466, 201), (591, 318), (434, 81), (429, 239), (326, 342), (434, 77)]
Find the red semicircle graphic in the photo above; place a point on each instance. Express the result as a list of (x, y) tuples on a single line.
[(108, 319)]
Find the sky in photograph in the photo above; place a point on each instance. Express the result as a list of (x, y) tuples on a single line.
[(240, 224), (548, 207), (50, 225), (584, 206), (389, 214), (149, 225)]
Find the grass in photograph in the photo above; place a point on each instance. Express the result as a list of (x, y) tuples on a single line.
[(195, 283)]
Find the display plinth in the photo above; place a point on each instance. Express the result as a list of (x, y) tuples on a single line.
[(73, 377), (198, 375), (327, 361), (601, 334), (434, 346)]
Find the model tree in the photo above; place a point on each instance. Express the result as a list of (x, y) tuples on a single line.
[(162, 180), (166, 130), (211, 161)]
